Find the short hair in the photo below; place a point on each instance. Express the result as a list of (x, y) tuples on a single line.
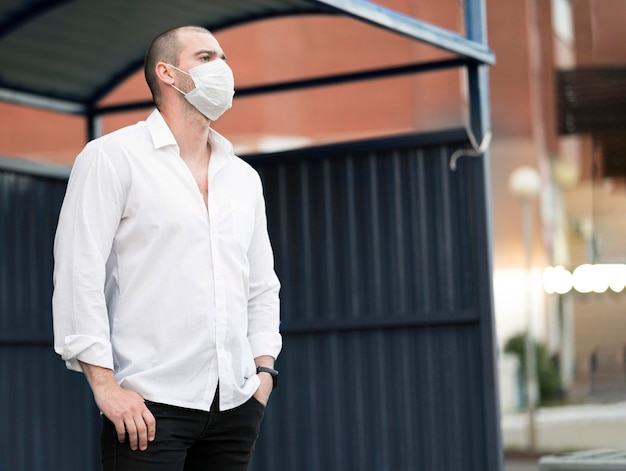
[(165, 47)]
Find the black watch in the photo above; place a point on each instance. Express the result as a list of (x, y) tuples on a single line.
[(271, 371)]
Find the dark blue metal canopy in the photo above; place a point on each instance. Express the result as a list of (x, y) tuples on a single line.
[(66, 55)]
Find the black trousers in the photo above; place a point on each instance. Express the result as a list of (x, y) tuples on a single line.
[(189, 440)]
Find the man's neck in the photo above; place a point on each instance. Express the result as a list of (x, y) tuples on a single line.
[(191, 132)]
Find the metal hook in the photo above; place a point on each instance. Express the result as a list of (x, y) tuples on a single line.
[(476, 152)]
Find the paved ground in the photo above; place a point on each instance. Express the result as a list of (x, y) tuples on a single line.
[(561, 429), (519, 465)]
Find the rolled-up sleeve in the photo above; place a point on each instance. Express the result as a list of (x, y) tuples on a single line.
[(264, 287), (89, 218)]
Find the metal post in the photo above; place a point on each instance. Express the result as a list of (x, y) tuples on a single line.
[(531, 357), (479, 121), (525, 184), (94, 126)]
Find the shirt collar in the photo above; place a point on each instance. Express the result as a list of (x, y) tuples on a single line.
[(221, 148), (159, 130), (221, 152)]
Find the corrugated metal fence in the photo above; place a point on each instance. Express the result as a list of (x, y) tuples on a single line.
[(388, 361), (383, 252), (47, 415)]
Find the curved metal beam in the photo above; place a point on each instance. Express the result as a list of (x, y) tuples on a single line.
[(19, 97), (395, 22), (368, 12), (132, 67), (312, 82)]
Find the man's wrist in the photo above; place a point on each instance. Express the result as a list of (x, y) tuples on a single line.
[(97, 376), (270, 371)]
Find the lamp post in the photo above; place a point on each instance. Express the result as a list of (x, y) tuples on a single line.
[(566, 175), (525, 184)]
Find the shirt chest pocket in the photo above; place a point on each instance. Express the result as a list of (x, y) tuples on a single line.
[(243, 219)]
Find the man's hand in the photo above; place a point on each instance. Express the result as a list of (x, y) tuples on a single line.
[(262, 394), (126, 409), (129, 414), (265, 389)]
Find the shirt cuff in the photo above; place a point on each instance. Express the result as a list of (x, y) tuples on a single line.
[(265, 343), (88, 349)]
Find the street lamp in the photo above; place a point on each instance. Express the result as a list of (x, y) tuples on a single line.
[(525, 184)]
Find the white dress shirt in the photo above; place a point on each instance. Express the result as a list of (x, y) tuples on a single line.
[(148, 282)]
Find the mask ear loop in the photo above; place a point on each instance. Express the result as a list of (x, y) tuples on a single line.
[(178, 89), (182, 71)]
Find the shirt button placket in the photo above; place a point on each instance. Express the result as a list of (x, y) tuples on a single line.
[(220, 296)]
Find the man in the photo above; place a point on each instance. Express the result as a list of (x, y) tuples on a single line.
[(165, 292)]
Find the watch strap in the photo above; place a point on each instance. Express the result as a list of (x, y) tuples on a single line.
[(271, 371)]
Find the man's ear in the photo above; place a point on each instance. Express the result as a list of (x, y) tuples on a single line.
[(164, 72)]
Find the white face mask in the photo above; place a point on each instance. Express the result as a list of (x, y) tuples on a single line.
[(215, 87)]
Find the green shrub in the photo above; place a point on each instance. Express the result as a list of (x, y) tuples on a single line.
[(548, 374)]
